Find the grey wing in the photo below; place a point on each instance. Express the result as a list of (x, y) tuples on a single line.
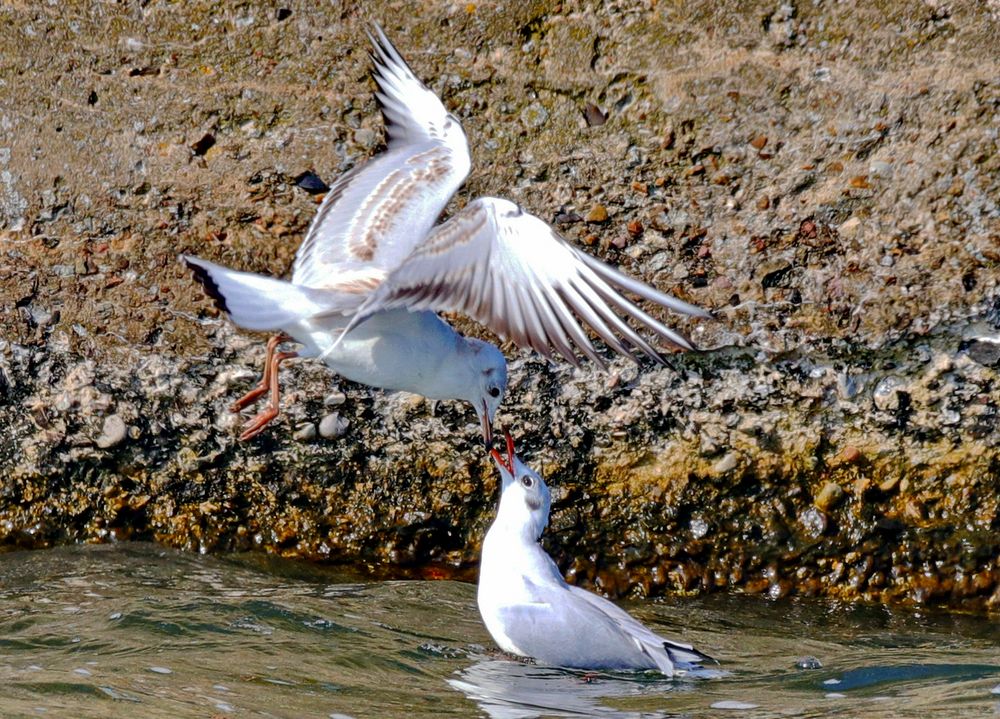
[(559, 628), (378, 210), (509, 270), (677, 653)]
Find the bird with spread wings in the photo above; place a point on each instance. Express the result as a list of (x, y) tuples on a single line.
[(374, 269)]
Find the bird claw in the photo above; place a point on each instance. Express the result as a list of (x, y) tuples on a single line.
[(256, 425), (249, 398)]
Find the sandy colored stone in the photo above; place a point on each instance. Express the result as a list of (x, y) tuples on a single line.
[(598, 213), (829, 496)]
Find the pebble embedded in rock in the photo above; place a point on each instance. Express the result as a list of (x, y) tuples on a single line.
[(365, 137), (566, 218), (985, 351), (808, 663), (829, 496), (849, 228), (598, 213), (534, 115), (848, 455), (113, 432), (335, 399), (726, 464), (886, 394), (814, 522), (333, 426), (311, 183), (305, 433)]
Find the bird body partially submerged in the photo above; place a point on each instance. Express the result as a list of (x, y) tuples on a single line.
[(531, 611)]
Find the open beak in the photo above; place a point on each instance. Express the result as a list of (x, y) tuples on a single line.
[(484, 418), (507, 463)]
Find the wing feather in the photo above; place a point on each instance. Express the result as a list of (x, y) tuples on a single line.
[(512, 272), (620, 326), (377, 211), (557, 334)]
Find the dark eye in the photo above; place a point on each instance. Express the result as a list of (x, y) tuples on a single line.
[(527, 481), (494, 391)]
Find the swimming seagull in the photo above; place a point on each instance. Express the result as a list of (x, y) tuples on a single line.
[(531, 611), (373, 271)]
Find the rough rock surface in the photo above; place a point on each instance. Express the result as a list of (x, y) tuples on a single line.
[(824, 175)]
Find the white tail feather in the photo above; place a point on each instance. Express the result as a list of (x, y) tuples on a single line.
[(256, 302)]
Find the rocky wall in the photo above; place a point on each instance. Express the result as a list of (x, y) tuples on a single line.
[(824, 176)]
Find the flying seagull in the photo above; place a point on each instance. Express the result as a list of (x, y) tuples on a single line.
[(374, 270)]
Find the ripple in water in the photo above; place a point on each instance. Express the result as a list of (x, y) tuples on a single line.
[(138, 630)]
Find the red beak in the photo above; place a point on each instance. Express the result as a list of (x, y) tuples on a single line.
[(487, 427), (507, 464)]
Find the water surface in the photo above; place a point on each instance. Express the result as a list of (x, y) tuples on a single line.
[(138, 630)]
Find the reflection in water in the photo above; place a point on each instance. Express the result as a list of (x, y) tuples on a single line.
[(507, 689), (511, 689)]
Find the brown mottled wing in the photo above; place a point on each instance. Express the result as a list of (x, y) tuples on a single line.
[(510, 270), (379, 210)]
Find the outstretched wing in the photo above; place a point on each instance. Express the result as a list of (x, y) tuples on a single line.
[(510, 270), (388, 204)]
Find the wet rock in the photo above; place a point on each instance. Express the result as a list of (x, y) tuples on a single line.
[(829, 496), (874, 228), (814, 522)]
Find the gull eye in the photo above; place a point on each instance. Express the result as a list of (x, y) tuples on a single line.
[(494, 391), (527, 481)]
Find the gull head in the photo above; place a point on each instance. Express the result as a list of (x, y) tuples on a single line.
[(525, 498), (490, 372)]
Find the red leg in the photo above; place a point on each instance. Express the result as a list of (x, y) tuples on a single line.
[(265, 381), (254, 427)]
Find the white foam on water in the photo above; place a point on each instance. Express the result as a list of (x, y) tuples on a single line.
[(733, 704)]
